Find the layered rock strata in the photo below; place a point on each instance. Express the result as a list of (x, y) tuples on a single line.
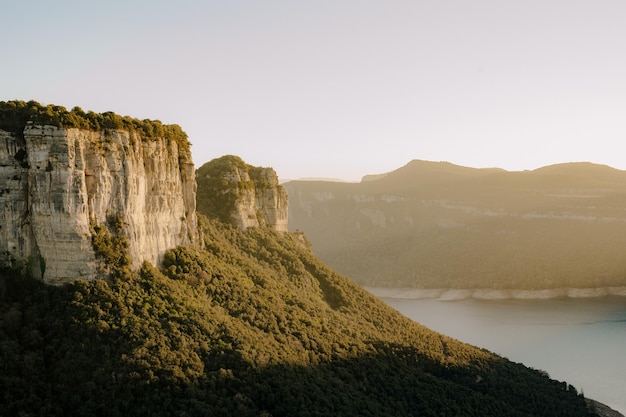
[(258, 206), (56, 184)]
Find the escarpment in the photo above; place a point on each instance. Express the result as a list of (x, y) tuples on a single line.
[(439, 225), (57, 184), (241, 194)]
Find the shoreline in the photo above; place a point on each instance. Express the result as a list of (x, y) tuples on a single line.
[(452, 294)]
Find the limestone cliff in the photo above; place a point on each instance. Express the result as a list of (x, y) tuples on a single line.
[(241, 194), (57, 183)]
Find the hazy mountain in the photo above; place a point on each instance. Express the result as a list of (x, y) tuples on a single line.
[(436, 224)]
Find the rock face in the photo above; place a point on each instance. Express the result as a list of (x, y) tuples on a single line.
[(265, 204), (56, 183), (241, 194)]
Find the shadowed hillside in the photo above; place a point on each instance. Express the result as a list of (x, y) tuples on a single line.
[(438, 225), (253, 325)]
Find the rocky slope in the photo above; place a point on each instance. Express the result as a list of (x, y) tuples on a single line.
[(241, 194), (58, 183)]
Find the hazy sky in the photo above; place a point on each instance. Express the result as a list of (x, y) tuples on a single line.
[(338, 88)]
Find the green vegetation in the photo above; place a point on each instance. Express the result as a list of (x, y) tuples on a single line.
[(437, 225), (110, 247), (216, 177), (14, 115), (253, 325)]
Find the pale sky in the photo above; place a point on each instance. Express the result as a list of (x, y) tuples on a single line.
[(338, 88)]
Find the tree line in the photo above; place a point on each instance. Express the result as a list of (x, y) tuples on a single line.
[(16, 114)]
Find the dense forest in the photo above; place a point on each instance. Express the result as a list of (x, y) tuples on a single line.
[(439, 225), (15, 114), (251, 325)]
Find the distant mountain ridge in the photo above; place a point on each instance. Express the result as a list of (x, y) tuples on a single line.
[(440, 225)]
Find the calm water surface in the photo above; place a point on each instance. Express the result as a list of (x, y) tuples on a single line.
[(581, 341)]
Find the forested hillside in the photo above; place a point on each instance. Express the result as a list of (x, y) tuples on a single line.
[(439, 225), (254, 325)]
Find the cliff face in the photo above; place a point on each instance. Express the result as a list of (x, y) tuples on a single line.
[(264, 204), (241, 194), (57, 183), (272, 201)]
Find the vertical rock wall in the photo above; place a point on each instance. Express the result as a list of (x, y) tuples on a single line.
[(272, 201), (263, 204), (56, 183)]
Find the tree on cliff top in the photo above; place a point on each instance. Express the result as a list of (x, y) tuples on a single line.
[(16, 114)]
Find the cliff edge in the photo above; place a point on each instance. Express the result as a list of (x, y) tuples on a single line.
[(58, 183)]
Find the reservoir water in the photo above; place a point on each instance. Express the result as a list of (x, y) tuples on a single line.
[(578, 340)]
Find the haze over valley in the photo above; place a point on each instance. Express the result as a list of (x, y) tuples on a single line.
[(439, 225)]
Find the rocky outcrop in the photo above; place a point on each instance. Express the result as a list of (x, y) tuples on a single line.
[(241, 194), (57, 183)]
